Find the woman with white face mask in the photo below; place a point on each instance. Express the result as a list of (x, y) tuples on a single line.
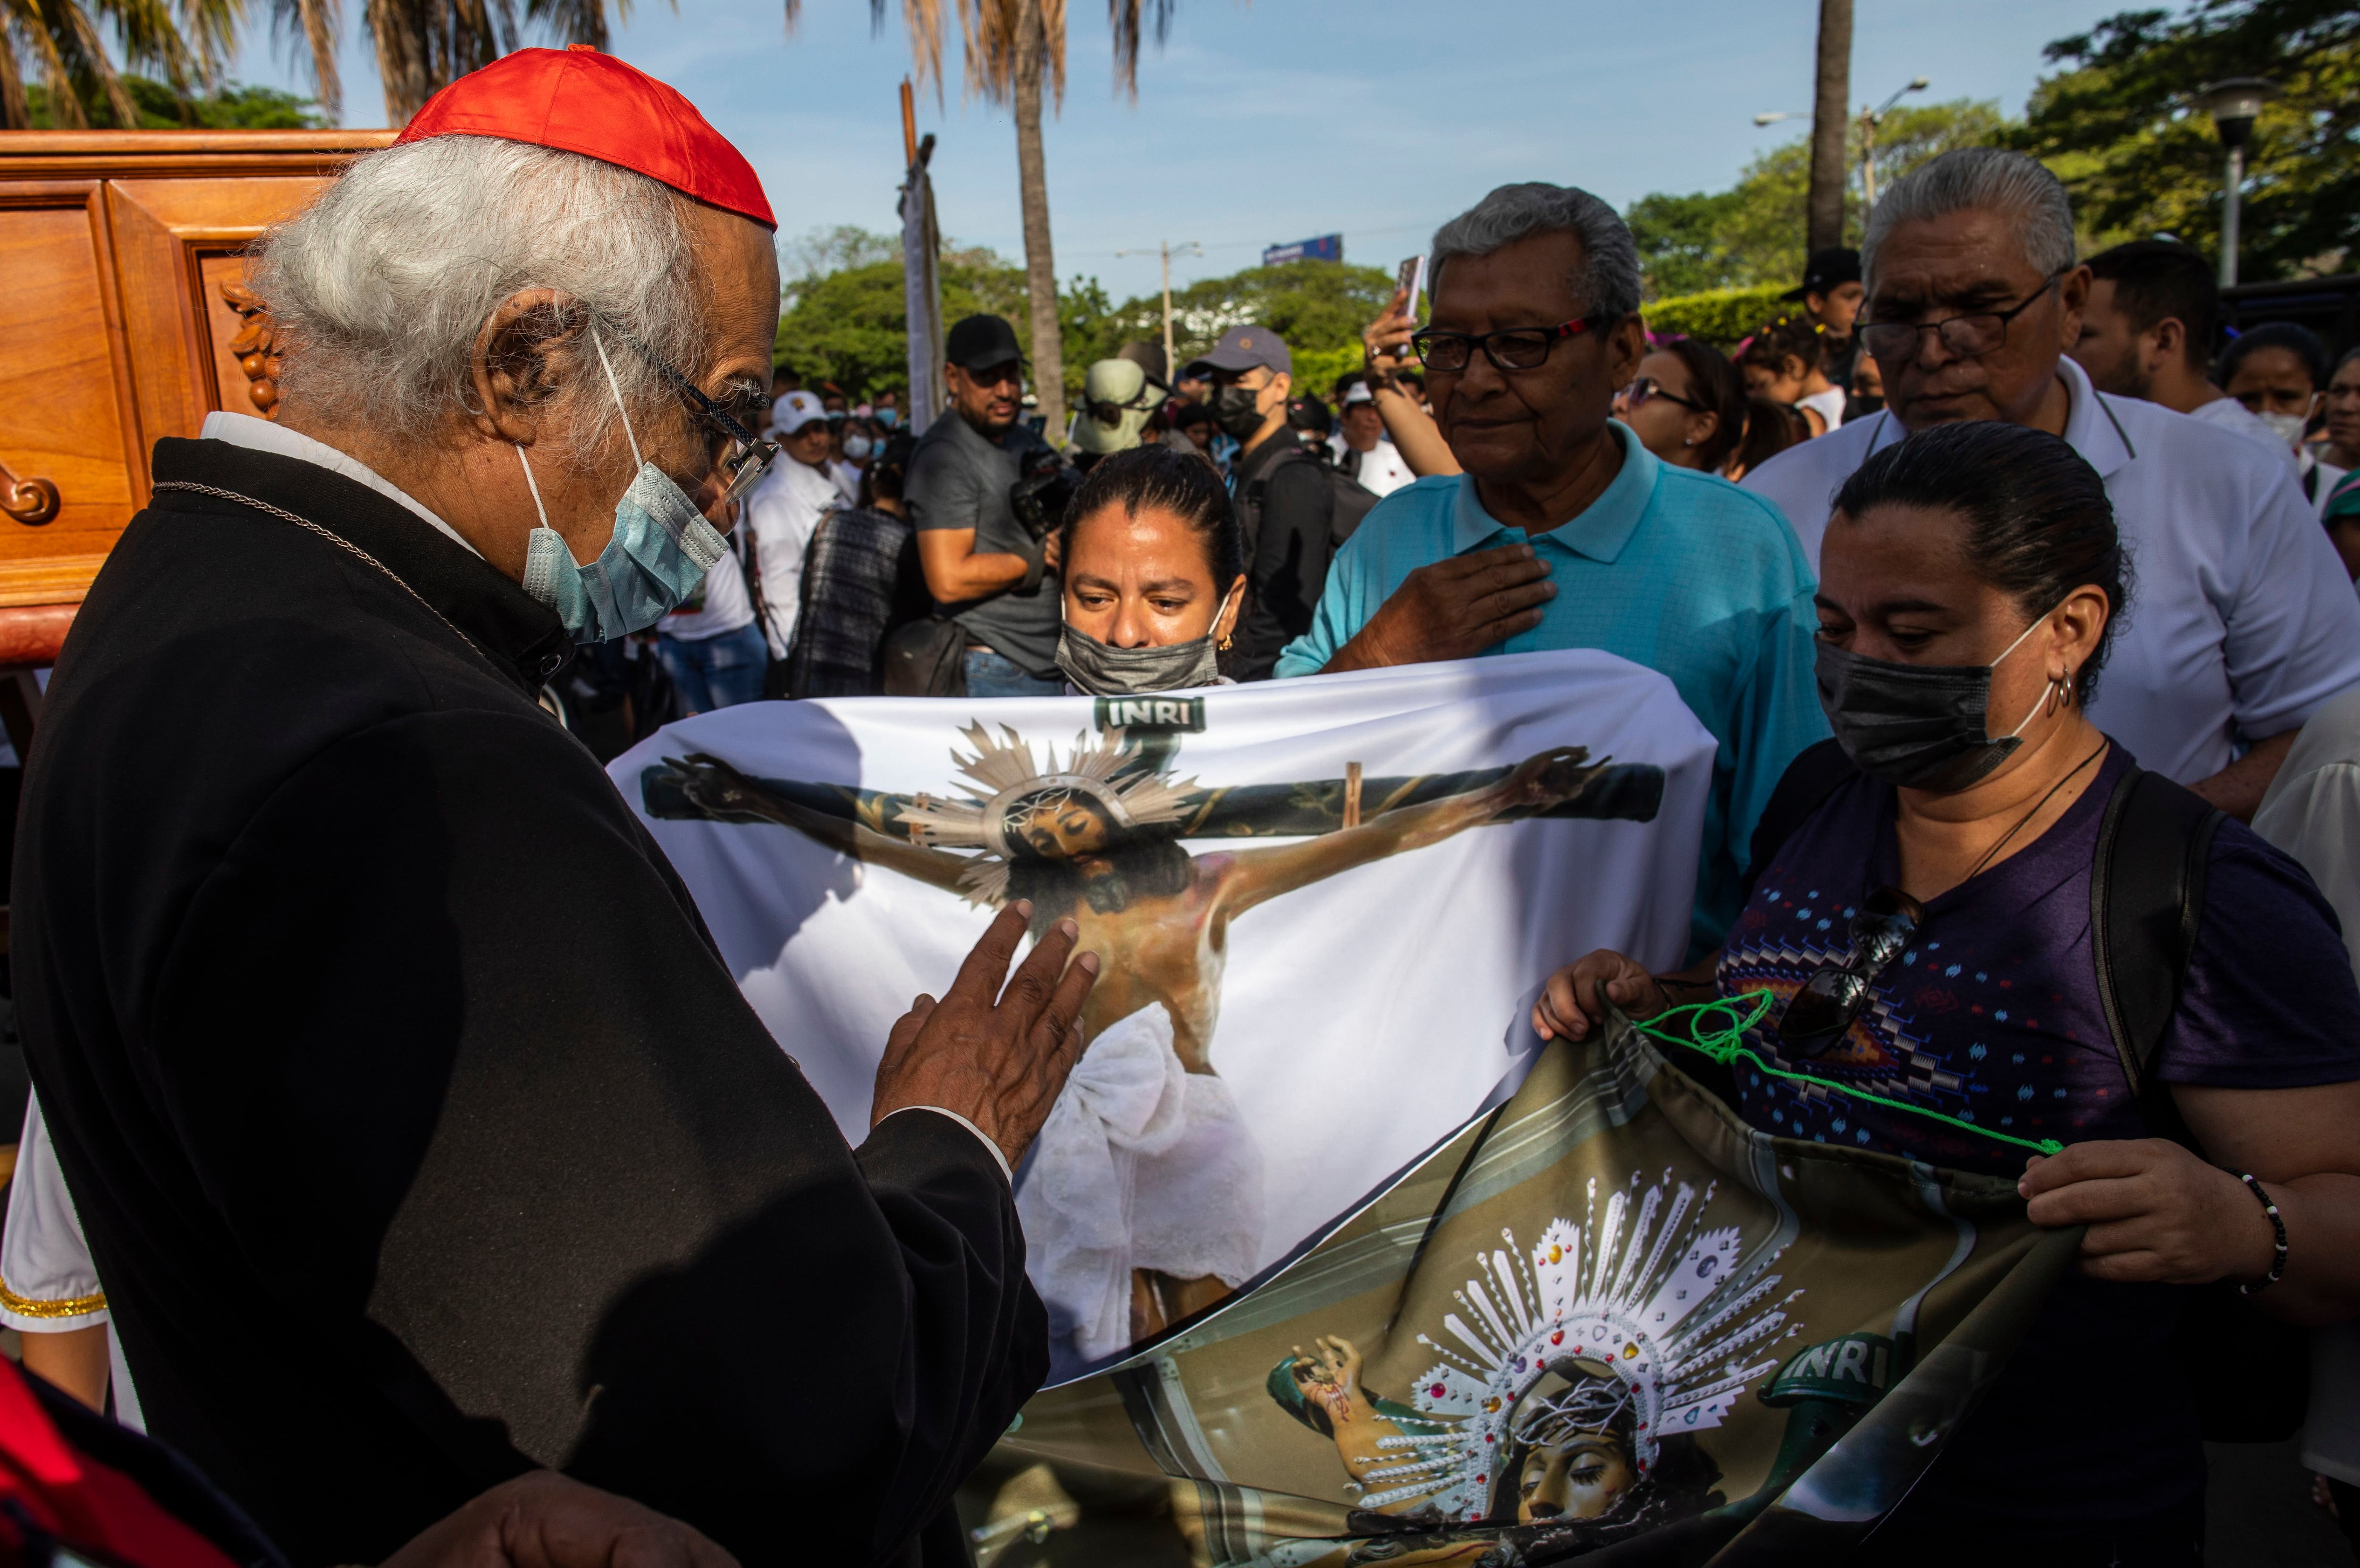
[(1153, 575), (1921, 911), (2278, 372)]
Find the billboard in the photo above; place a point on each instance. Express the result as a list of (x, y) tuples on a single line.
[(1325, 247)]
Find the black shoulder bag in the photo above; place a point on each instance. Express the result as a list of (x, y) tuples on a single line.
[(2147, 897)]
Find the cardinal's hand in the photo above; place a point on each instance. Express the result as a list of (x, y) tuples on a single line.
[(1000, 1058), (544, 1521)]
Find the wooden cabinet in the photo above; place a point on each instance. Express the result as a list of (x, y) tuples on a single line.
[(123, 320)]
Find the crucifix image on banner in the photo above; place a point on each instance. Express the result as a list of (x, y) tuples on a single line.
[(1172, 1168)]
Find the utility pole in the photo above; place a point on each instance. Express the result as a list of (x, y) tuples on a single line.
[(1823, 224), (1163, 248), (1869, 120)]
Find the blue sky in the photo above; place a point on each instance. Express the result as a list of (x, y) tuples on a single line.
[(1276, 120)]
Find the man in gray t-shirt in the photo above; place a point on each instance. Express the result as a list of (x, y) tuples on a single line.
[(984, 569)]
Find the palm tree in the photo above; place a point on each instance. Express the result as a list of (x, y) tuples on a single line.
[(1824, 223), (422, 46), (1013, 46), (187, 43)]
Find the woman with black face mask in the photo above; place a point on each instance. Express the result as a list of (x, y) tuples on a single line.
[(1153, 575), (1924, 930)]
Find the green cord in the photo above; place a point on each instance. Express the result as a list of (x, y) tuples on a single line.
[(1724, 1044)]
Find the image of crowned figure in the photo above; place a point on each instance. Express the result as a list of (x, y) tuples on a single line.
[(1572, 1385), (1142, 1201)]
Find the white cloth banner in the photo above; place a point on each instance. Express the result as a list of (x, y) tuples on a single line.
[(1324, 906)]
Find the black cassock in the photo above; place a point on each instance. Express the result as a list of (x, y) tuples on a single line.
[(420, 1135)]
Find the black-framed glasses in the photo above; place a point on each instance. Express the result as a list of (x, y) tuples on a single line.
[(1817, 1015), (1646, 389), (1969, 335), (753, 455), (1515, 348)]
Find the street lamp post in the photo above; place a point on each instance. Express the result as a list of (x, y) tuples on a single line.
[(1868, 119), (1188, 248), (2234, 104)]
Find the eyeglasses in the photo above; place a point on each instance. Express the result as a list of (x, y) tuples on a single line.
[(1968, 336), (753, 455), (1517, 348), (1818, 1014), (1647, 388)]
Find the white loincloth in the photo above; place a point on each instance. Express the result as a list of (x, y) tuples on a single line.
[(1141, 1165), (1197, 1210)]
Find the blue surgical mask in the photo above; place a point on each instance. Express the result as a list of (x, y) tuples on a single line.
[(662, 549), (887, 417), (855, 449)]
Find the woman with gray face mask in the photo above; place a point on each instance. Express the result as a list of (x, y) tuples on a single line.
[(1153, 575), (1920, 914)]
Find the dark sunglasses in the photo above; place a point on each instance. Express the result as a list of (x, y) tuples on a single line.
[(1515, 348), (1818, 1014), (1646, 389)]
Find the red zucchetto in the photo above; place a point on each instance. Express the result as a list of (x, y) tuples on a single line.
[(578, 100)]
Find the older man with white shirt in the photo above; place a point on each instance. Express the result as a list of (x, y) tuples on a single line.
[(2247, 621)]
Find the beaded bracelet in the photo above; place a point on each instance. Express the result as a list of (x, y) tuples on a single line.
[(2279, 1247)]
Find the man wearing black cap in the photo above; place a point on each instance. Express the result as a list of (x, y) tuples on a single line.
[(1831, 296), (985, 570), (1285, 499)]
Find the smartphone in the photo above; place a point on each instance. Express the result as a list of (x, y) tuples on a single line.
[(1410, 275)]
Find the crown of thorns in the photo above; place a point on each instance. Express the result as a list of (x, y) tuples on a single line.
[(1008, 785)]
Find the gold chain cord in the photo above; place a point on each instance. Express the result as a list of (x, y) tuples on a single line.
[(334, 539)]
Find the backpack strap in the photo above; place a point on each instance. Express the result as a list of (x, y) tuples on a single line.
[(1803, 788), (2146, 896)]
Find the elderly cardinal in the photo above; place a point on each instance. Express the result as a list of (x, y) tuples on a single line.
[(421, 1136)]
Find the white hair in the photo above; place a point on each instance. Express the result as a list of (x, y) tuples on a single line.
[(1990, 179), (380, 287), (1608, 283)]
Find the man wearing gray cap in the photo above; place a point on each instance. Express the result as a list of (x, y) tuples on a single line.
[(984, 568), (1285, 499)]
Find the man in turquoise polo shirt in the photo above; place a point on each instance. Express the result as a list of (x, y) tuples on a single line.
[(1563, 532)]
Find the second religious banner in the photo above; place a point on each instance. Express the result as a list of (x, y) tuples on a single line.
[(1324, 909)]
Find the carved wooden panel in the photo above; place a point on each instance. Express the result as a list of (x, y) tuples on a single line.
[(166, 231), (61, 418), (124, 319), (245, 342)]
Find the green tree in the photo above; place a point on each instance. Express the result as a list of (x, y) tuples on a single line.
[(849, 325), (1751, 235), (819, 253), (1314, 305), (844, 320), (2116, 127), (229, 108), (58, 45)]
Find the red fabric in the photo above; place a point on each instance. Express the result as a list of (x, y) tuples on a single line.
[(578, 100), (82, 1503)]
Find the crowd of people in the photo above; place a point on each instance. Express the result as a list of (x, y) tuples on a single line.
[(403, 1168)]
